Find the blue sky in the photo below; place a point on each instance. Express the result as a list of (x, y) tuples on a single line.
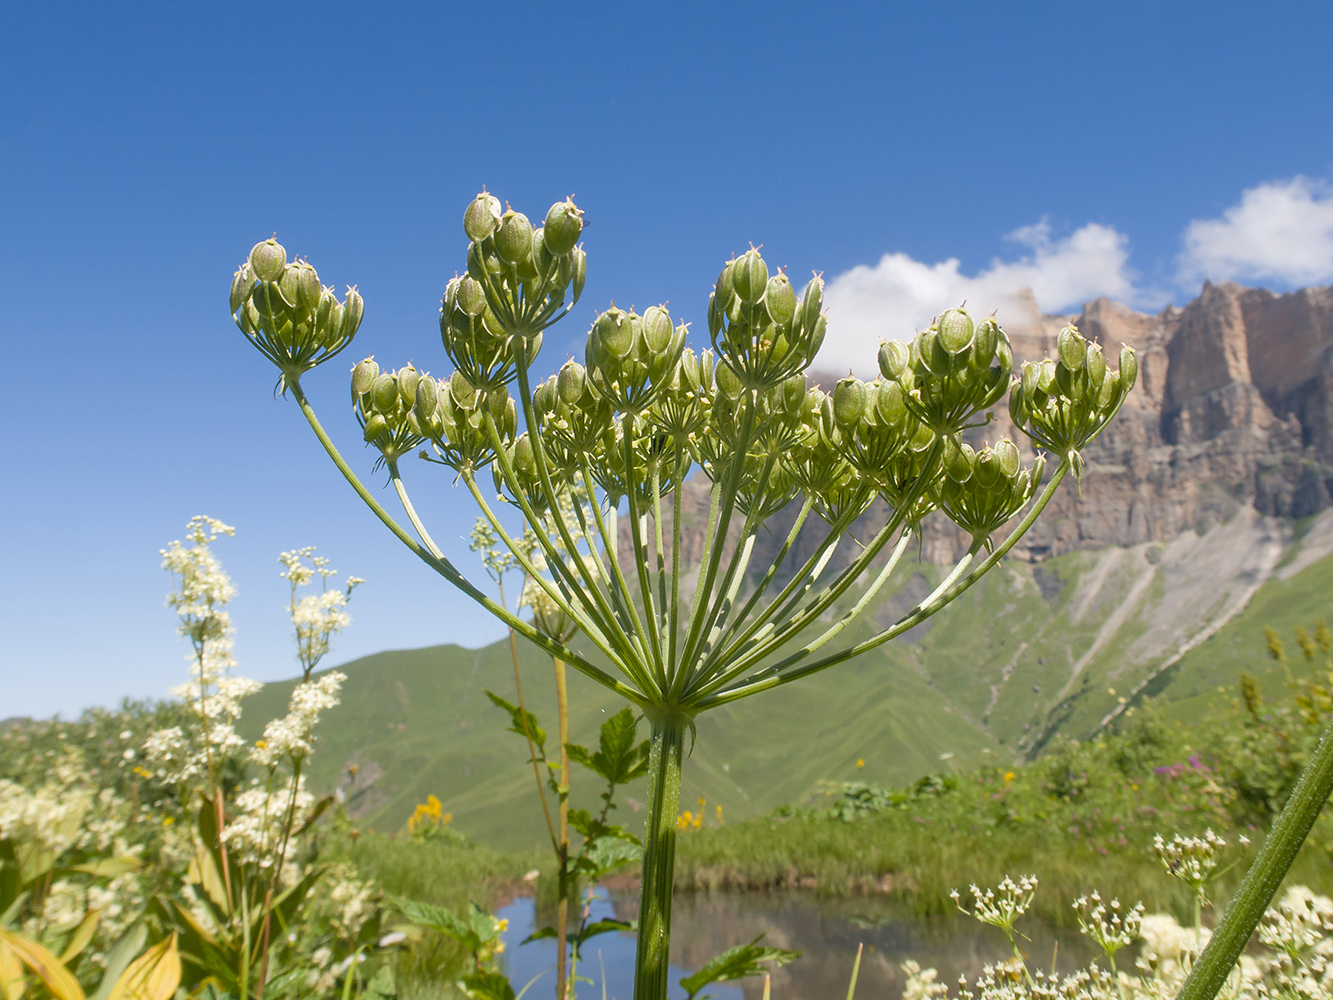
[(911, 152)]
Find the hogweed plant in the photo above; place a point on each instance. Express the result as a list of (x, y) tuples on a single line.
[(628, 425)]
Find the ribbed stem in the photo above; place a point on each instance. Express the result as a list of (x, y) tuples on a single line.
[(1265, 875), (652, 955)]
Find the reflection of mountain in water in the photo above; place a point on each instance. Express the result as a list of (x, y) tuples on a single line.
[(826, 931)]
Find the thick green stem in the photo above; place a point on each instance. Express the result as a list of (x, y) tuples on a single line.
[(1265, 876), (659, 853)]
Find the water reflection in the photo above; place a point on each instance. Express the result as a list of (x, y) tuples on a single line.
[(827, 931)]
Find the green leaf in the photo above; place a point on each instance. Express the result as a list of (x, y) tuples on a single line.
[(518, 717), (736, 963), (545, 932), (603, 927), (618, 760), (591, 828), (606, 855), (381, 985), (487, 986), (109, 867), (122, 953), (437, 918)]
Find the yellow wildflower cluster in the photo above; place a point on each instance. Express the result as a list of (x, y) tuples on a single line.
[(689, 820), (428, 814)]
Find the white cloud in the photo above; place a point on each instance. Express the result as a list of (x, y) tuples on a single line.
[(1280, 232), (899, 295)]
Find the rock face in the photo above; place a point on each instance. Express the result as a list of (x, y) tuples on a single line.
[(1232, 410)]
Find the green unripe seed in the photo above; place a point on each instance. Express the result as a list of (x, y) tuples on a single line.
[(1072, 348), (426, 401), (614, 332), (353, 309), (267, 260), (749, 276), (849, 401), (780, 299), (241, 283), (571, 381), (985, 342), (955, 331), (407, 384), (657, 329), (471, 297), (513, 240), (959, 462), (463, 391), (482, 217), (1095, 363), (384, 393), (894, 357), (728, 382), (525, 461), (1007, 453), (889, 404), (987, 469), (364, 375), (1129, 368), (375, 427), (564, 225)]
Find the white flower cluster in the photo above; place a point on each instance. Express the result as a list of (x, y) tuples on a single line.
[(351, 901), (316, 617), (1003, 909), (1008, 981), (50, 816), (201, 587), (1108, 924), (921, 984), (291, 738), (1190, 859), (255, 832), (1298, 930)]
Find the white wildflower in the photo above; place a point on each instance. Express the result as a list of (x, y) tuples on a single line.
[(292, 736), (1108, 924), (1003, 909), (1190, 859)]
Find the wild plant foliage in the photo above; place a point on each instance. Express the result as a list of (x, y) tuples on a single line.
[(626, 427)]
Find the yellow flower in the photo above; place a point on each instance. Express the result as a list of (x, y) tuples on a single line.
[(261, 744), (1008, 776), (860, 763), (167, 821)]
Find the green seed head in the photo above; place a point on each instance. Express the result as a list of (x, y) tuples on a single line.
[(955, 331), (364, 375), (513, 240), (571, 381), (780, 299), (894, 357), (1072, 348), (749, 276), (384, 393), (849, 401)]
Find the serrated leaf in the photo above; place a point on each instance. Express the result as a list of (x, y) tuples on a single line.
[(49, 969), (487, 986), (617, 760), (606, 855), (517, 718), (541, 935), (736, 963), (437, 918)]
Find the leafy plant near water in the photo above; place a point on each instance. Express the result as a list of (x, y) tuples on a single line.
[(627, 427)]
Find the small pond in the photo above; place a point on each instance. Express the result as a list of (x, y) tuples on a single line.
[(826, 930)]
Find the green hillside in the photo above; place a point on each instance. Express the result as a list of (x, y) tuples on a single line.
[(1031, 651)]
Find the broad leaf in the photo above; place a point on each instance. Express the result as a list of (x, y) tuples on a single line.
[(110, 867), (606, 855), (736, 963), (120, 956), (487, 986), (49, 969), (11, 974), (154, 975), (592, 828), (81, 936), (618, 760), (604, 927), (437, 918)]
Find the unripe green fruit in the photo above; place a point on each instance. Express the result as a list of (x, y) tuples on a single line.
[(513, 240), (707, 370), (546, 396), (780, 299), (580, 273), (333, 326), (384, 393), (463, 391), (407, 384), (723, 289), (728, 382), (525, 461), (793, 393), (375, 427), (427, 399), (241, 283), (1018, 411), (889, 405), (353, 309), (471, 297), (1031, 377), (894, 357), (1007, 453), (564, 225), (749, 276), (1095, 363), (571, 381), (955, 331), (1129, 368), (959, 461), (413, 424), (689, 370), (364, 375), (985, 341), (1046, 375), (613, 332), (482, 217), (1072, 348), (849, 401), (656, 329), (812, 301), (267, 260), (306, 284), (816, 338), (987, 469), (1108, 390)]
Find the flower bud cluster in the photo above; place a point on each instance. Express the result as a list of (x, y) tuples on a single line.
[(519, 281), (1003, 908), (982, 490), (760, 330), (384, 404), (1063, 404), (1300, 923), (1006, 981), (1190, 859), (630, 358), (1108, 924), (291, 318)]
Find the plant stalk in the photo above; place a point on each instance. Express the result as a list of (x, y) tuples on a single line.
[(562, 914), (1265, 876), (652, 955)]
